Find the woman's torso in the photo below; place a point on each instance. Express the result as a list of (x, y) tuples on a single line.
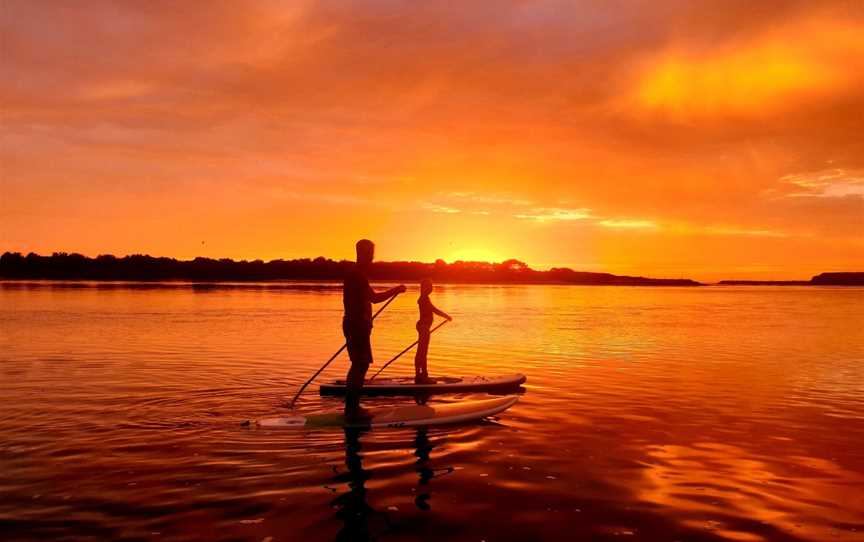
[(425, 306)]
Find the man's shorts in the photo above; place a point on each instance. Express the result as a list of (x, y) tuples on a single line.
[(359, 345)]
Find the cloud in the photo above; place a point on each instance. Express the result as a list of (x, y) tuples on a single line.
[(545, 214), (330, 199), (441, 209), (723, 230), (829, 183), (788, 64), (474, 203), (494, 199), (625, 223)]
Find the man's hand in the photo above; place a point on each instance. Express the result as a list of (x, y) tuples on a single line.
[(449, 318), (378, 297)]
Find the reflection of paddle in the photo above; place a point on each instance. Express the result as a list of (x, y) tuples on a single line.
[(407, 349), (344, 346)]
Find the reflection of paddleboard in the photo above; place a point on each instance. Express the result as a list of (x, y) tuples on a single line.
[(407, 416), (406, 386)]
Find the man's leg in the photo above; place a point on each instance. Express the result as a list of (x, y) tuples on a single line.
[(360, 352), (354, 385)]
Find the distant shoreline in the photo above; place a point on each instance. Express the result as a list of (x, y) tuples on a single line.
[(200, 272), (764, 283), (822, 279), (329, 285), (276, 284)]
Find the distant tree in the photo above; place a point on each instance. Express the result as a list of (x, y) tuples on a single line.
[(514, 265)]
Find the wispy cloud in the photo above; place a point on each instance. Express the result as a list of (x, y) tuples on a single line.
[(625, 223), (474, 203), (331, 199), (544, 214), (524, 209), (493, 199), (829, 183), (745, 232), (441, 209)]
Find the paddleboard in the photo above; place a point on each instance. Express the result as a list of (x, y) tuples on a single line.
[(406, 386), (405, 416)]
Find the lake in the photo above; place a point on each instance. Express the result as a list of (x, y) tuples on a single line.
[(709, 413)]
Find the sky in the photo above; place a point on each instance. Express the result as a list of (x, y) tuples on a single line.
[(681, 138)]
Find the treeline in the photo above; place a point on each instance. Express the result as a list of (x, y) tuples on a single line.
[(63, 266)]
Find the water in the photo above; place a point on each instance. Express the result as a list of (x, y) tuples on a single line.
[(716, 413)]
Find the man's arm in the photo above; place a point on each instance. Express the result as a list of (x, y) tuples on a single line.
[(378, 297)]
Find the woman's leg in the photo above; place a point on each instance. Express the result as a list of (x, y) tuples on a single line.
[(422, 350)]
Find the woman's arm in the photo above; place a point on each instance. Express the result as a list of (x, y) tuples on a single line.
[(440, 313)]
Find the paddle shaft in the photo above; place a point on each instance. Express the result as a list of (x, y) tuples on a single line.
[(407, 349), (344, 346)]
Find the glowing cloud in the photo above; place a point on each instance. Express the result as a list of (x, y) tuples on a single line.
[(543, 214), (441, 209), (745, 232), (634, 224), (831, 183), (796, 61)]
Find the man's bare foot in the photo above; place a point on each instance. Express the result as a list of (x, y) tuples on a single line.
[(424, 379)]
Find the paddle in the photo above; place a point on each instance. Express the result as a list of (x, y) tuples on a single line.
[(407, 349), (344, 346)]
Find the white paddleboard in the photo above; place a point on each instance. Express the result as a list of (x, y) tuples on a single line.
[(406, 386), (406, 416)]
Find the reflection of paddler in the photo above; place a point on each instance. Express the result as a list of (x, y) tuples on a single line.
[(352, 507), (423, 448)]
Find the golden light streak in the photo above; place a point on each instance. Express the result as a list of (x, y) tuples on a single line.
[(797, 62)]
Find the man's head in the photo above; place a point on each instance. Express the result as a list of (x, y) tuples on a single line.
[(365, 252)]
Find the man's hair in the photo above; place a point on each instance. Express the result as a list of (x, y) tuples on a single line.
[(364, 246)]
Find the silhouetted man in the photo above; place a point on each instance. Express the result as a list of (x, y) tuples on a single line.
[(358, 296)]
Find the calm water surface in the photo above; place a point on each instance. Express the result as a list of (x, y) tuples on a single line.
[(716, 413)]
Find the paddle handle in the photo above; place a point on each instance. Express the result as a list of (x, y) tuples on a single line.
[(407, 349), (344, 346)]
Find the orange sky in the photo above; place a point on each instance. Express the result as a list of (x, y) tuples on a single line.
[(706, 139)]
